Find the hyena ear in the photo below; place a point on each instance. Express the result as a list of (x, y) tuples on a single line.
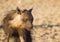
[(30, 10), (18, 10)]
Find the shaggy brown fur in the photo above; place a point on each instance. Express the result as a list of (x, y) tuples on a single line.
[(18, 20)]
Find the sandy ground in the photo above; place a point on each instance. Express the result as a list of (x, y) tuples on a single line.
[(45, 12)]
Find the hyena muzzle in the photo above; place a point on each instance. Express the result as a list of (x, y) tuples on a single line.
[(18, 21)]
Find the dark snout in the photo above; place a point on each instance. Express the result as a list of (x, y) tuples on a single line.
[(31, 26)]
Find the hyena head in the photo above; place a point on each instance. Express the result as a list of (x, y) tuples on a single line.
[(21, 19)]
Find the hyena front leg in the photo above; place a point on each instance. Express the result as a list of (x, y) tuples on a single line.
[(21, 39), (21, 35), (10, 38)]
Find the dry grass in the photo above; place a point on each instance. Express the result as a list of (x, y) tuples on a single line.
[(44, 12)]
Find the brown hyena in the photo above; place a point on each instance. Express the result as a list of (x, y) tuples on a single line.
[(18, 21)]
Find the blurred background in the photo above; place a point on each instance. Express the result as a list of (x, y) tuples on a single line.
[(46, 15)]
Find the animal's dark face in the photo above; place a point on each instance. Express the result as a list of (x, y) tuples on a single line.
[(22, 19)]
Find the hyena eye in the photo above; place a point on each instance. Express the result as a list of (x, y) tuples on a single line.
[(25, 20), (10, 18)]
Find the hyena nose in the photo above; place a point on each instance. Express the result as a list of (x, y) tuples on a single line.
[(31, 26)]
